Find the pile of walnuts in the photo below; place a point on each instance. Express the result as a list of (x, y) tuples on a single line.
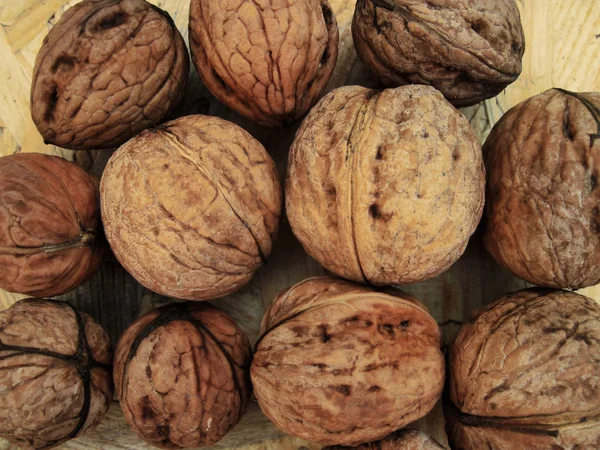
[(383, 188)]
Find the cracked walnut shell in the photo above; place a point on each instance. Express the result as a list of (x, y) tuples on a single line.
[(385, 187), (191, 209), (542, 216), (525, 374), (268, 60), (106, 71), (403, 440), (470, 51), (55, 375), (338, 363), (49, 225), (181, 375)]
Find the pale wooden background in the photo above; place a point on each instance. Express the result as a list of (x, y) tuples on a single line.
[(563, 50)]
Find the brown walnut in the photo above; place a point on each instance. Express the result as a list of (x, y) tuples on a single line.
[(191, 209), (55, 375), (182, 375), (403, 440), (543, 199), (525, 374), (470, 51), (106, 71), (338, 363), (49, 225), (269, 61), (385, 186)]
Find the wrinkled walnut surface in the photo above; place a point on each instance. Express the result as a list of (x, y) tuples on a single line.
[(191, 209), (55, 377), (386, 186), (49, 224), (525, 374), (338, 363), (543, 203), (469, 50), (106, 71), (403, 440), (181, 375), (269, 61)]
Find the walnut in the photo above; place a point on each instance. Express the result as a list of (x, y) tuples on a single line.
[(525, 374), (385, 187), (470, 51), (49, 225), (106, 71), (269, 61), (55, 375), (543, 199), (338, 363), (403, 440), (191, 209), (182, 375)]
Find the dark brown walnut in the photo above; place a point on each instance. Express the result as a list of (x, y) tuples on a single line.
[(403, 440), (338, 363), (269, 61), (55, 374), (525, 374), (182, 375), (385, 187), (543, 199), (191, 209), (470, 51), (49, 225), (106, 71)]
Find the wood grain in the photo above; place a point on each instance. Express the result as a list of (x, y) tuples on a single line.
[(563, 50)]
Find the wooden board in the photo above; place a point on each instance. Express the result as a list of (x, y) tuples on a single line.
[(563, 50)]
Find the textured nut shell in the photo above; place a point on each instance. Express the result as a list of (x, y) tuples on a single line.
[(403, 440), (49, 222), (338, 363), (385, 187), (191, 209), (54, 373), (181, 375), (543, 204), (470, 51), (269, 61), (525, 373), (106, 71)]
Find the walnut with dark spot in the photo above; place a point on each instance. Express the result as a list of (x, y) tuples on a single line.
[(55, 374), (106, 71), (402, 440), (470, 51), (182, 375), (525, 374), (371, 376), (542, 203)]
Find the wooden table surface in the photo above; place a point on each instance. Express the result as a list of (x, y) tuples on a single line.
[(563, 50)]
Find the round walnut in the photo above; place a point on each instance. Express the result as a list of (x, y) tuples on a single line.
[(385, 187), (106, 71), (543, 199), (191, 209), (470, 51), (403, 440), (338, 363), (49, 225), (55, 375), (182, 375), (525, 374), (269, 61)]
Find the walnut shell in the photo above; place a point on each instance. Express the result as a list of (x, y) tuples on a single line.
[(55, 375), (106, 71), (269, 61), (543, 199), (470, 51), (338, 363), (191, 209), (182, 375), (385, 187), (525, 374), (49, 225), (403, 440)]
